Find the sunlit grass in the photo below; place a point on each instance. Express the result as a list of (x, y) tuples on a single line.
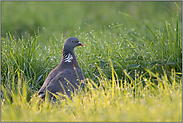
[(116, 102)]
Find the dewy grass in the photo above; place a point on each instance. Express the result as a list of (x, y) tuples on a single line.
[(125, 100)]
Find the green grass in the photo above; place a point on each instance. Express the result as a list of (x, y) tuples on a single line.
[(133, 67)]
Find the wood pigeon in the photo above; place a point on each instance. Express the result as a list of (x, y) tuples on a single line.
[(67, 76)]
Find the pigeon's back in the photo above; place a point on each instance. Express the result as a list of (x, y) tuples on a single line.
[(64, 82)]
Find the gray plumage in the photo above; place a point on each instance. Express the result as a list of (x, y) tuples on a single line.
[(67, 76)]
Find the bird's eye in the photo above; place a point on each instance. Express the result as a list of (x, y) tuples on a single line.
[(72, 40)]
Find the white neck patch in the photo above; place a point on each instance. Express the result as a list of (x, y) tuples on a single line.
[(68, 58)]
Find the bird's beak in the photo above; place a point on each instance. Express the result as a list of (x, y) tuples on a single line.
[(79, 43)]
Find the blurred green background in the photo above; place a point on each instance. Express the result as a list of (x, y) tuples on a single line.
[(67, 18)]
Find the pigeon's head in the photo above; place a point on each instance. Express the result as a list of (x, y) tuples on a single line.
[(72, 42)]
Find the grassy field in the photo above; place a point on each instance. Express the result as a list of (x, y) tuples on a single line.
[(132, 60)]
